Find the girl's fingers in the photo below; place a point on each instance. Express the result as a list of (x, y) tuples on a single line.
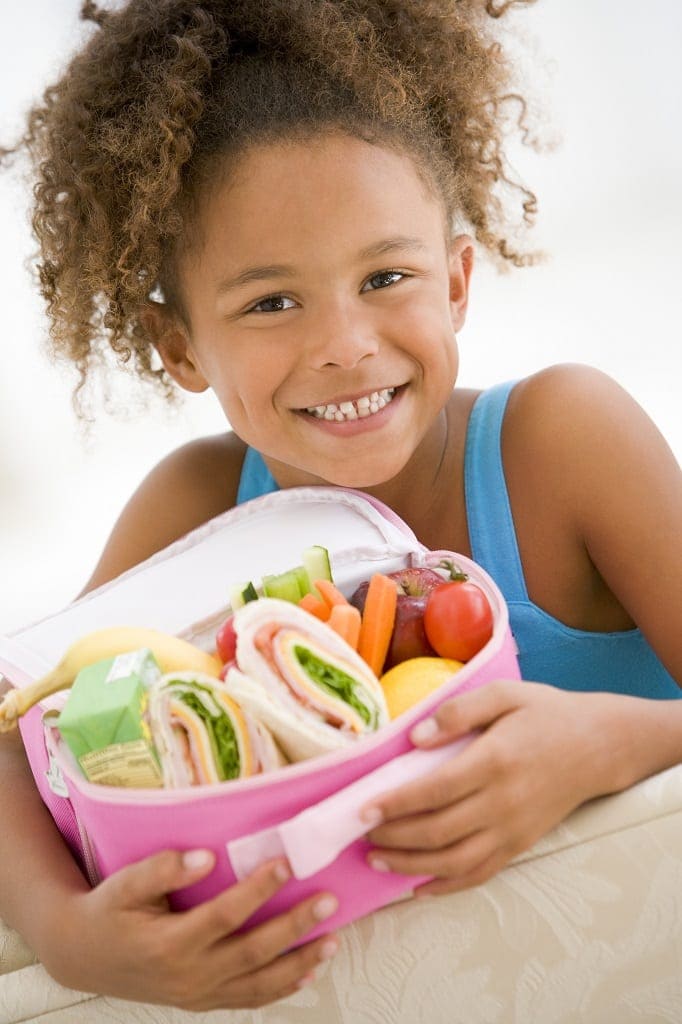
[(220, 917), (437, 829), (468, 771), (455, 862), (214, 923), (474, 710), (147, 882), (477, 876), (465, 774), (259, 946), (283, 976)]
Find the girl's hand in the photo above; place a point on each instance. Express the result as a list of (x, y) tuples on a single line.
[(121, 938), (541, 752)]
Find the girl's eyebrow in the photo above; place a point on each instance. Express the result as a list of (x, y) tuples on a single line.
[(253, 274), (400, 243)]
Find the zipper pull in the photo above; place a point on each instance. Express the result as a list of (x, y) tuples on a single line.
[(55, 779)]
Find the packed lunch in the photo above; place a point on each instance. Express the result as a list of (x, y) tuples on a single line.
[(298, 669)]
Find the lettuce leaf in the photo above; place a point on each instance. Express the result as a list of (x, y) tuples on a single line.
[(338, 683), (221, 734)]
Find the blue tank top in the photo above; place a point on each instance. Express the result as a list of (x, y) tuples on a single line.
[(549, 651)]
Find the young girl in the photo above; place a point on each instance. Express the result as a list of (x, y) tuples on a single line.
[(279, 201)]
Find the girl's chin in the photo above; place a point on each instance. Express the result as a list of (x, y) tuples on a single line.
[(356, 475)]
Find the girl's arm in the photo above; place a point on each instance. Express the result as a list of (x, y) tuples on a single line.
[(543, 751), (618, 487), (121, 938), (185, 490)]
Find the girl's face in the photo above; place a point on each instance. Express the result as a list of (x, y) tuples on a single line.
[(323, 299)]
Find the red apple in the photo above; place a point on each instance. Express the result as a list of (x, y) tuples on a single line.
[(409, 637), (416, 581)]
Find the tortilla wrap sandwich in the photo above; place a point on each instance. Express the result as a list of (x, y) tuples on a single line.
[(299, 678), (202, 735)]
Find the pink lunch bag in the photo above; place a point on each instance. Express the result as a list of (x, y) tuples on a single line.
[(307, 812)]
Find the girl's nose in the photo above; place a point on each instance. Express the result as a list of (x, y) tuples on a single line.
[(340, 340)]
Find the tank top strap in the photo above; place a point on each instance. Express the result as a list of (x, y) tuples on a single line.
[(255, 479), (491, 527)]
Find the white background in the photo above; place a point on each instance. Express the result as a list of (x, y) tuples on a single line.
[(609, 78)]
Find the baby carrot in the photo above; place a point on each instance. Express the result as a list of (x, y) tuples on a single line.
[(345, 620), (378, 619), (312, 604), (331, 595)]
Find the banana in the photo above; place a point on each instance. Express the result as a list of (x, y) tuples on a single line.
[(171, 653)]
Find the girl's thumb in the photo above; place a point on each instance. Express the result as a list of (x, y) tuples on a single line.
[(149, 880)]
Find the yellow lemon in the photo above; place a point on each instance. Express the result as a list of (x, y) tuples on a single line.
[(412, 680)]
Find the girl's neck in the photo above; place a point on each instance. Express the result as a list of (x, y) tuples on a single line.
[(429, 493)]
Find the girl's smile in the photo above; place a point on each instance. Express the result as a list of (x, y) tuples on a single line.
[(325, 266), (350, 417)]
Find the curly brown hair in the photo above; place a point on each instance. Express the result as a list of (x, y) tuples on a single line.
[(125, 141)]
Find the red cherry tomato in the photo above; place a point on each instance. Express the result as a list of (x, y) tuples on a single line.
[(458, 620), (226, 640)]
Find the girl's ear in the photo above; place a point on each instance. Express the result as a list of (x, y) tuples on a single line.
[(461, 262), (172, 342)]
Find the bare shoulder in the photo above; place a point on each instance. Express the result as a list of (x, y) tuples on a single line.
[(596, 495), (187, 488), (572, 409), (566, 398)]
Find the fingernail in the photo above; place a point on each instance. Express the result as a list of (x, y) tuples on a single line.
[(282, 872), (425, 730), (325, 907), (372, 815), (329, 949), (305, 980), (378, 864), (192, 860)]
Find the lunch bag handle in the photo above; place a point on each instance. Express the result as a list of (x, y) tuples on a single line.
[(334, 821)]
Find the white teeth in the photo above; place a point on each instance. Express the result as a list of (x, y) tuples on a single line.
[(358, 409)]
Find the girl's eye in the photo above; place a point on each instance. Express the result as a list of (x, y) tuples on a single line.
[(272, 304), (383, 279)]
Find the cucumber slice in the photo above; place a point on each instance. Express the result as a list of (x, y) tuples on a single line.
[(236, 594), (303, 580), (317, 565), (285, 586), (240, 593)]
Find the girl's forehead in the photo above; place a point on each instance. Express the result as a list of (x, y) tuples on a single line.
[(295, 189)]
